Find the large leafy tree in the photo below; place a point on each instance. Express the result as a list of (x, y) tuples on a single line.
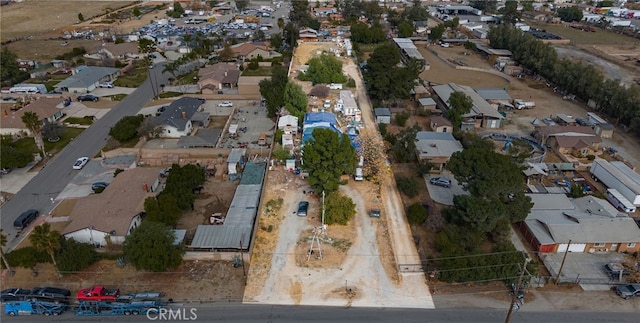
[(163, 209), (33, 122), (459, 104), (570, 14), (295, 100), (416, 13), (404, 146), (326, 157), (275, 42), (405, 29), (151, 247), (11, 156), (339, 209), (324, 69), (495, 185), (272, 89), (291, 34), (241, 4), (74, 256), (126, 128), (146, 45), (44, 239), (365, 34), (180, 184), (387, 81), (10, 72), (510, 13)]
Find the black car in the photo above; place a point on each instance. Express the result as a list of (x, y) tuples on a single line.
[(303, 206), (14, 294), (51, 294), (88, 97)]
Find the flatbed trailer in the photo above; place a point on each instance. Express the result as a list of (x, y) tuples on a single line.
[(114, 309), (34, 307)]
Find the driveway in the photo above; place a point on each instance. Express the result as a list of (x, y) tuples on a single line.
[(441, 194)]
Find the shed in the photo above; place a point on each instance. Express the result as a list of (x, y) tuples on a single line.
[(604, 130), (383, 115), (565, 120), (287, 120), (427, 104), (236, 160), (441, 124), (287, 140)]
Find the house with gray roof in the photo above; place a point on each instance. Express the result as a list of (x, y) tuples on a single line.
[(588, 224), (86, 78), (436, 148), (482, 113), (178, 118)]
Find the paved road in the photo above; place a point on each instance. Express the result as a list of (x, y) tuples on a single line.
[(267, 313), (53, 178)]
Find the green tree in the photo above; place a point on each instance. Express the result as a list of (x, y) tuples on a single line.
[(10, 72), (151, 247), (510, 13), (405, 29), (460, 104), (12, 157), (416, 13), (484, 5), (136, 11), (339, 209), (162, 209), (436, 32), (171, 68), (178, 10), (276, 41), (417, 214), (180, 184), (291, 34), (241, 4), (324, 69), (295, 100), (408, 186), (44, 239), (73, 256), (27, 257), (126, 128), (281, 24), (404, 147), (401, 119), (80, 16), (227, 54), (3, 243), (281, 154), (326, 157), (33, 122), (272, 89), (146, 45), (570, 14)]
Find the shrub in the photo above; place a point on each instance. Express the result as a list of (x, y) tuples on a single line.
[(126, 128), (75, 256), (383, 129), (407, 185), (591, 157), (339, 209), (351, 83), (401, 119), (416, 213), (27, 257)]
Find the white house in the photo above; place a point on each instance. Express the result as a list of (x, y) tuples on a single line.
[(177, 120), (348, 106)]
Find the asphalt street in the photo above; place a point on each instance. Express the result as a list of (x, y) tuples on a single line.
[(57, 173), (269, 313)]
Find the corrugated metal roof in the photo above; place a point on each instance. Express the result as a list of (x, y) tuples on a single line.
[(88, 76), (222, 237), (480, 106), (493, 94), (236, 155), (253, 174)]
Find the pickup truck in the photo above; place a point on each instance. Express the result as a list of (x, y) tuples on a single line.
[(98, 294)]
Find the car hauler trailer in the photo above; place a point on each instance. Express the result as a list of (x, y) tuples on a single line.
[(113, 309), (34, 307)]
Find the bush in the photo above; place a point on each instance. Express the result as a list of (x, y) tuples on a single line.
[(416, 213), (591, 157), (339, 209), (27, 257), (383, 129), (401, 119), (75, 256), (126, 128), (407, 185), (351, 83)]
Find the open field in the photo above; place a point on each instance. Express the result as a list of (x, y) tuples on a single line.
[(46, 50), (47, 18), (579, 37)]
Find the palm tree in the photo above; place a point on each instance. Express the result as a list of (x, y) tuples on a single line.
[(33, 122), (3, 243), (281, 25), (43, 239), (171, 68)]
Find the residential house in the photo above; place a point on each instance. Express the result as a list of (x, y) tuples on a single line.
[(288, 124), (216, 77), (249, 51), (436, 148), (570, 140), (307, 35), (178, 119), (116, 212), (121, 51), (482, 114), (441, 124), (383, 115), (86, 78), (348, 106), (589, 224), (48, 109)]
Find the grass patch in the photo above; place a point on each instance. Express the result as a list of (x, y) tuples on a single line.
[(170, 94), (66, 137), (134, 78), (579, 37), (189, 78), (261, 71), (85, 121), (118, 97), (26, 144)]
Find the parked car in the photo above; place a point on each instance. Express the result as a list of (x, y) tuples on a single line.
[(106, 85), (225, 104), (51, 294), (88, 97), (14, 294), (549, 121), (97, 185), (98, 294), (162, 109), (5, 171), (303, 207), (25, 219), (440, 181), (80, 162), (628, 291)]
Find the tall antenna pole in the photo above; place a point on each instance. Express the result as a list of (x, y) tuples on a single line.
[(517, 290)]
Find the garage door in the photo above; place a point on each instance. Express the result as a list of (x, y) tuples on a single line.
[(575, 247)]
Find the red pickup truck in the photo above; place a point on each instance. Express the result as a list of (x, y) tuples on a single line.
[(99, 294)]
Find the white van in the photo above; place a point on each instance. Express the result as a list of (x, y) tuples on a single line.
[(335, 86), (358, 176)]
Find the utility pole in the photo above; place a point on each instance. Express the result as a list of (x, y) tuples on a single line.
[(517, 289), (244, 272), (566, 252)]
